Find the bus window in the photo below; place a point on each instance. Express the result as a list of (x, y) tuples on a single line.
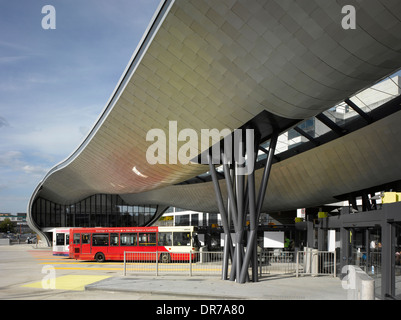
[(114, 239), (147, 239), (128, 239), (77, 237), (85, 238), (59, 239), (165, 239), (67, 239), (181, 239), (100, 239)]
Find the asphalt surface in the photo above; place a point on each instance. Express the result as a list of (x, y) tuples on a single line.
[(29, 273)]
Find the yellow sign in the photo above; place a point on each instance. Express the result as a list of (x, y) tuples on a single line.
[(166, 218)]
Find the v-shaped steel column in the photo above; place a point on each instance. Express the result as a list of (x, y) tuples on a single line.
[(241, 199), (228, 249)]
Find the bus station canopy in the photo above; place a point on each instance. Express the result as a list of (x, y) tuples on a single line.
[(206, 64)]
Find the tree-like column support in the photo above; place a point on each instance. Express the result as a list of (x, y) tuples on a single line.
[(241, 198)]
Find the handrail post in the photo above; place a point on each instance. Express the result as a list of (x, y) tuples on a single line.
[(157, 263), (125, 266), (297, 268), (190, 263), (335, 264)]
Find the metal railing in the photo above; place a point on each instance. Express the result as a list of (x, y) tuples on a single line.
[(316, 263), (277, 262), (194, 263), (368, 262), (210, 263)]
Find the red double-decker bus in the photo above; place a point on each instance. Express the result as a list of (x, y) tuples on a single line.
[(103, 244)]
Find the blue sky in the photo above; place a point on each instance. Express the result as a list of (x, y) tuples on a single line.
[(55, 83)]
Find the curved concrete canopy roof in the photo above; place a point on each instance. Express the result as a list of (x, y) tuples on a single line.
[(365, 158), (218, 64)]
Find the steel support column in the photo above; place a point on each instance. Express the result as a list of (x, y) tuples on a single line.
[(321, 237), (387, 260), (239, 183), (344, 250), (310, 232), (224, 219), (241, 196), (367, 246), (234, 214), (254, 212)]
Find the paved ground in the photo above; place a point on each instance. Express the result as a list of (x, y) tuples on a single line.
[(277, 288), (34, 274)]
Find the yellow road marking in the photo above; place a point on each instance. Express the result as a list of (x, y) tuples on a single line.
[(51, 260), (83, 268), (70, 282)]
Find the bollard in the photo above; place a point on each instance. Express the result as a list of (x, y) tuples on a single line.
[(367, 289)]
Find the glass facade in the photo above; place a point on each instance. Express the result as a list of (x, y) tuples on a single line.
[(99, 210), (342, 114), (182, 220), (183, 217)]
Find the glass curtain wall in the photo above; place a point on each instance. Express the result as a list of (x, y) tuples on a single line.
[(99, 210)]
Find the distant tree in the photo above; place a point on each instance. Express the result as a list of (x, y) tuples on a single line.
[(6, 225)]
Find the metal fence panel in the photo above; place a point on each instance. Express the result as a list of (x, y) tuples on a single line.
[(210, 263), (277, 262), (196, 263), (313, 262), (140, 262), (207, 263), (368, 262)]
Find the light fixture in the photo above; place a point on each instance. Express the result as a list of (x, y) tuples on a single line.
[(136, 171)]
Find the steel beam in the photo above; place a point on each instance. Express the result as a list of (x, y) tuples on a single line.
[(266, 173), (364, 115), (332, 125), (306, 135)]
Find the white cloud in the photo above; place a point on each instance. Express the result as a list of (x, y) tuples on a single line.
[(14, 161), (35, 170), (10, 159)]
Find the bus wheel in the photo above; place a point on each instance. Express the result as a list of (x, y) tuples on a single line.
[(165, 258), (99, 257)]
